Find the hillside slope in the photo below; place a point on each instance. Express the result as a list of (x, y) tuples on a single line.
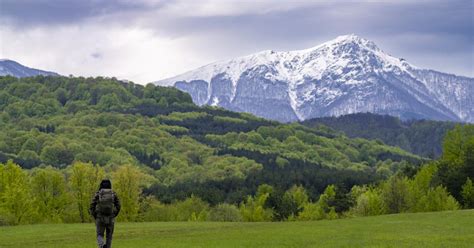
[(422, 137), (185, 148)]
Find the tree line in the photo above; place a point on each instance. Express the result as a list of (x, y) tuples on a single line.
[(52, 195)]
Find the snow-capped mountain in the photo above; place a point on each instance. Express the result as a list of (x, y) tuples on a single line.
[(12, 68), (346, 75)]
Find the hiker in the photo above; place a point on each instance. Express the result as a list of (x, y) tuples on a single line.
[(105, 206)]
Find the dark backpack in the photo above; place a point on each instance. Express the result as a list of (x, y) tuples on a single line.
[(105, 206)]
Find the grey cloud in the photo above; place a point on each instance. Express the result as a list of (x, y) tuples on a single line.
[(416, 30), (96, 55), (31, 13)]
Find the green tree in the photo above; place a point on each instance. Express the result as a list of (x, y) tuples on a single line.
[(15, 196), (57, 155), (294, 200), (436, 199), (369, 203), (468, 194), (253, 208), (110, 102), (323, 208), (192, 209), (50, 194), (84, 182), (126, 183), (61, 96), (395, 193), (225, 212), (455, 145), (281, 162)]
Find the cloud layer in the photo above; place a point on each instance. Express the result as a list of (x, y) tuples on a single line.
[(147, 40)]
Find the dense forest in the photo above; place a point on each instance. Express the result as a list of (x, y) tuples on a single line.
[(172, 160), (421, 137)]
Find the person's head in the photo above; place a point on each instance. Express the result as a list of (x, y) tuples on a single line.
[(105, 184)]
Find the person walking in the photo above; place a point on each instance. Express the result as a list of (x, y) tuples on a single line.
[(105, 206)]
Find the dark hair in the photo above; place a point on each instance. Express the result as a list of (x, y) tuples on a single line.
[(105, 184)]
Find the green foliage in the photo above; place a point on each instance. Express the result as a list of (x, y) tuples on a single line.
[(15, 196), (171, 160), (323, 208), (218, 155), (180, 116), (126, 183), (226, 119), (57, 154), (225, 212), (457, 162), (253, 208), (369, 203), (395, 193), (50, 194), (192, 209), (84, 181), (295, 144), (400, 194), (287, 205), (297, 195), (421, 137), (468, 194), (455, 145), (216, 168)]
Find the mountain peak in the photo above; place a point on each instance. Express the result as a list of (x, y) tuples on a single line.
[(351, 40), (348, 37)]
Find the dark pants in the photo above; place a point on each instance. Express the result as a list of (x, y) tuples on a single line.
[(104, 225)]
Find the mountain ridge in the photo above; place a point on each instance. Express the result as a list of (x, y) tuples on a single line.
[(13, 68), (346, 75)]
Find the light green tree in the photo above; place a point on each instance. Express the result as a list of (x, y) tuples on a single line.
[(323, 208), (253, 208), (298, 195), (84, 182), (15, 197), (49, 189), (225, 212), (455, 144), (192, 209), (436, 199), (369, 203), (126, 183)]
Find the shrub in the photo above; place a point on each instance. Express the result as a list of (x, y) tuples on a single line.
[(225, 212)]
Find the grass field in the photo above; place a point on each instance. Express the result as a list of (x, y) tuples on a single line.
[(441, 229)]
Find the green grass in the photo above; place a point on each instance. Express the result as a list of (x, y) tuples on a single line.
[(441, 229)]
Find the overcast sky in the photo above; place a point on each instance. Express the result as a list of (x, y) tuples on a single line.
[(148, 40)]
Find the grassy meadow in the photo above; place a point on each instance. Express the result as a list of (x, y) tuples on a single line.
[(437, 229)]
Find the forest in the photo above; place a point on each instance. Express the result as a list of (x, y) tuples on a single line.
[(170, 160), (421, 137)]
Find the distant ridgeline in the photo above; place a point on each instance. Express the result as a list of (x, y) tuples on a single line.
[(210, 152), (421, 137)]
